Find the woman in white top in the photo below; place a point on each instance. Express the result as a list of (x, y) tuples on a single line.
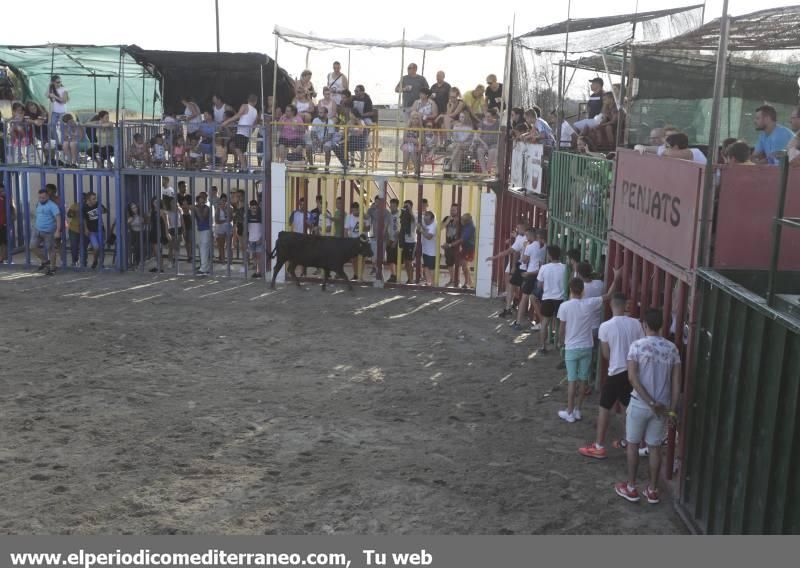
[(337, 82), (59, 97), (305, 107), (192, 114)]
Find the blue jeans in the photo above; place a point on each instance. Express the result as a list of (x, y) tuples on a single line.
[(76, 249)]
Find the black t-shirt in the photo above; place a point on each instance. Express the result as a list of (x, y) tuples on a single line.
[(91, 213), (595, 104), (494, 98), (441, 95), (253, 217), (363, 105)]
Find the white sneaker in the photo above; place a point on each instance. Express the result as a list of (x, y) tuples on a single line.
[(536, 327), (577, 414), (564, 415), (644, 451)]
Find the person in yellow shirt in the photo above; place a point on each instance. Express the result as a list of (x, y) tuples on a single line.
[(475, 102)]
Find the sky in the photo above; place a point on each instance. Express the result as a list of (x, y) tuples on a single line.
[(247, 25)]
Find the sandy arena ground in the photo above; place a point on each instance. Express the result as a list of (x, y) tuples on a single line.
[(155, 406)]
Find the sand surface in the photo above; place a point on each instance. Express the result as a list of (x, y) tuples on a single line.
[(144, 405)]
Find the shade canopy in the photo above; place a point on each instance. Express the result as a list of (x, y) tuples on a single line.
[(90, 73)]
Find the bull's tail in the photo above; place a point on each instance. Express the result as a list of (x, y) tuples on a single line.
[(274, 252)]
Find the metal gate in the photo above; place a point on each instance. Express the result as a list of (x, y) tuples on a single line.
[(578, 205), (742, 463)]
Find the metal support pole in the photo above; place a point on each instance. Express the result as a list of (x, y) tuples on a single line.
[(777, 230), (216, 13), (622, 124), (399, 103), (707, 204)]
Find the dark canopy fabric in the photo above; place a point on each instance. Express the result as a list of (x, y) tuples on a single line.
[(200, 75), (585, 24), (772, 29)]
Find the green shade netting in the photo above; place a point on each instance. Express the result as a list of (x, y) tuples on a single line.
[(91, 74)]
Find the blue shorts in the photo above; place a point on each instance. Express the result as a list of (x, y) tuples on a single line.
[(579, 363), (94, 239)]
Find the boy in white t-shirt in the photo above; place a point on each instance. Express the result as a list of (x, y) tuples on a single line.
[(352, 229), (616, 336), (428, 233), (513, 268), (531, 262), (551, 277), (575, 332), (255, 237)]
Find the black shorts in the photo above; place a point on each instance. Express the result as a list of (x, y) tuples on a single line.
[(528, 285), (391, 253), (408, 251), (291, 143), (516, 277), (3, 235), (429, 261), (450, 257), (239, 228), (550, 308), (240, 142), (616, 388)]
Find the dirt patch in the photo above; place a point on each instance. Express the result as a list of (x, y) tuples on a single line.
[(177, 405)]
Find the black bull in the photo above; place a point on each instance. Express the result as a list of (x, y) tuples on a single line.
[(328, 253)]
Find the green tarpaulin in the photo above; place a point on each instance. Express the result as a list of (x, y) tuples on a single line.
[(91, 74)]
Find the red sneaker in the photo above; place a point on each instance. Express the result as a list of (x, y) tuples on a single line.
[(627, 493), (592, 451), (652, 496)]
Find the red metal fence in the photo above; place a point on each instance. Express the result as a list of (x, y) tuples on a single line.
[(514, 207)]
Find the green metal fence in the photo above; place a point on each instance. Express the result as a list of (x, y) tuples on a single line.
[(742, 439), (578, 204)]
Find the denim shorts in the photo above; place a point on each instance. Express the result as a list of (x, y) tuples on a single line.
[(642, 424), (579, 363)]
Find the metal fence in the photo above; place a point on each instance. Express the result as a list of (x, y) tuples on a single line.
[(578, 204), (742, 436), (460, 152), (325, 201)]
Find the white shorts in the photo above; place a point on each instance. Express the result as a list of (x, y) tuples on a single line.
[(644, 424), (222, 230)]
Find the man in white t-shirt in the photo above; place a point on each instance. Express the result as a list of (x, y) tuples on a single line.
[(298, 217), (654, 369), (513, 270), (166, 189), (616, 337), (592, 289), (255, 237), (352, 229), (575, 332), (551, 277), (428, 234), (532, 258)]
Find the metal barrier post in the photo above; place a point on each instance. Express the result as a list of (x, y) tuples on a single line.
[(777, 230), (27, 219), (437, 200)]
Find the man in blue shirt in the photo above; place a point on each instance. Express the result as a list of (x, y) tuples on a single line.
[(46, 229), (773, 138)]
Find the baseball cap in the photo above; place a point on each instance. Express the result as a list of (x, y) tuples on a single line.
[(597, 80)]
